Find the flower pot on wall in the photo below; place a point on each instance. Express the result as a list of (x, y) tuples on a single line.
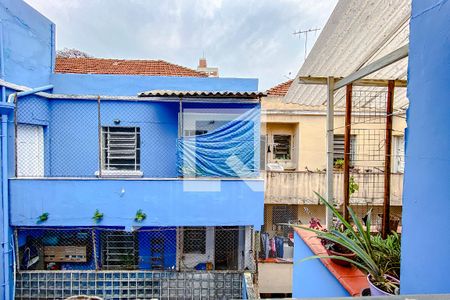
[(342, 263), (375, 291), (338, 250)]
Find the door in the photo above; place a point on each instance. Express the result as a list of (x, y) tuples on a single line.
[(30, 150), (226, 248)]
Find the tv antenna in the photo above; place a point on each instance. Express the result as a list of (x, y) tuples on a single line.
[(305, 32)]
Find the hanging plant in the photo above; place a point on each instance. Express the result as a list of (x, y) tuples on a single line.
[(353, 186), (43, 217), (140, 216), (98, 216)]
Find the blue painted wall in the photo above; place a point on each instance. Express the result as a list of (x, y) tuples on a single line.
[(145, 236), (28, 44), (131, 85), (311, 279), (71, 132), (166, 202), (426, 203)]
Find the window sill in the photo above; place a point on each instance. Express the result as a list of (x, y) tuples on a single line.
[(119, 174)]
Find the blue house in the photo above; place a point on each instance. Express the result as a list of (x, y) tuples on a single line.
[(122, 185)]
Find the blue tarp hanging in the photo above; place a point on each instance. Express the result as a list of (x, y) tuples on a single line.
[(231, 150)]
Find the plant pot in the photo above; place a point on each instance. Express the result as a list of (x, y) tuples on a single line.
[(365, 292), (375, 291), (342, 263)]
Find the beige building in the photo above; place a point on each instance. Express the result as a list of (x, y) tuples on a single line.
[(293, 160), (203, 67)]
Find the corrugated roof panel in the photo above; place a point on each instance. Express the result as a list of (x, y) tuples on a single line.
[(202, 94), (357, 34)]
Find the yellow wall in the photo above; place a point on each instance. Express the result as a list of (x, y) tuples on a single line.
[(308, 125)]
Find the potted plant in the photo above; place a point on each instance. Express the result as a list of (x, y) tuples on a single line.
[(371, 257), (140, 216), (98, 216), (42, 218), (333, 249), (339, 164)]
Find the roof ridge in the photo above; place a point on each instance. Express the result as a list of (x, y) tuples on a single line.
[(280, 89), (150, 67)]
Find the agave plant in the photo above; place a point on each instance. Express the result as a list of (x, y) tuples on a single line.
[(358, 239)]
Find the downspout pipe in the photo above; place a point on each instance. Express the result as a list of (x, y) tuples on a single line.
[(5, 187), (29, 92), (5, 202)]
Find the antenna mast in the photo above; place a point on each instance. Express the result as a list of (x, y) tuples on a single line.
[(305, 32)]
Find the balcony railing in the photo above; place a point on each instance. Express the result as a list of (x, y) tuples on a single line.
[(299, 187)]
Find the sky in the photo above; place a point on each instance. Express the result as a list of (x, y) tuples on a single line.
[(250, 39)]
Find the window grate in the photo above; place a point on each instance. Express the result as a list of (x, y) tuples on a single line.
[(121, 148), (338, 146), (282, 147), (194, 240)]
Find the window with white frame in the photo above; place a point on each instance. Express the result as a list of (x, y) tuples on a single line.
[(121, 149), (282, 144)]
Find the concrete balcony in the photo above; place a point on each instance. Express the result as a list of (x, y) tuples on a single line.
[(166, 202), (299, 187)]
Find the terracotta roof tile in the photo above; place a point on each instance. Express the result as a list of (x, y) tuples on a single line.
[(280, 89), (123, 67)]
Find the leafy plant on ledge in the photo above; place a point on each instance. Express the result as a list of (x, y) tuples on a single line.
[(42, 218), (353, 186), (339, 164), (98, 216), (140, 216), (372, 258)]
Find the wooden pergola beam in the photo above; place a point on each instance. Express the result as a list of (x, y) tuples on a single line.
[(360, 82)]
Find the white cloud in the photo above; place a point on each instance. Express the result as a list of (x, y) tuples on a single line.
[(243, 38)]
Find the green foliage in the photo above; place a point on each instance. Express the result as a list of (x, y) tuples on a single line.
[(353, 186), (98, 216), (389, 250), (339, 163), (375, 256), (43, 217), (140, 216)]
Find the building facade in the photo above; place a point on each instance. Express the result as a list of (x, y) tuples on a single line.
[(123, 184), (293, 160)]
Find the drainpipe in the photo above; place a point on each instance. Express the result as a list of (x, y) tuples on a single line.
[(4, 178), (5, 188), (29, 92), (5, 203)]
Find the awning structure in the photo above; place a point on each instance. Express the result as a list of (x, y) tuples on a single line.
[(359, 63), (202, 94), (357, 34)]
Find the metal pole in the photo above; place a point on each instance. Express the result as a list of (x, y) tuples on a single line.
[(5, 207), (330, 157), (180, 119), (348, 128), (94, 246), (99, 125), (15, 135), (387, 160)]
